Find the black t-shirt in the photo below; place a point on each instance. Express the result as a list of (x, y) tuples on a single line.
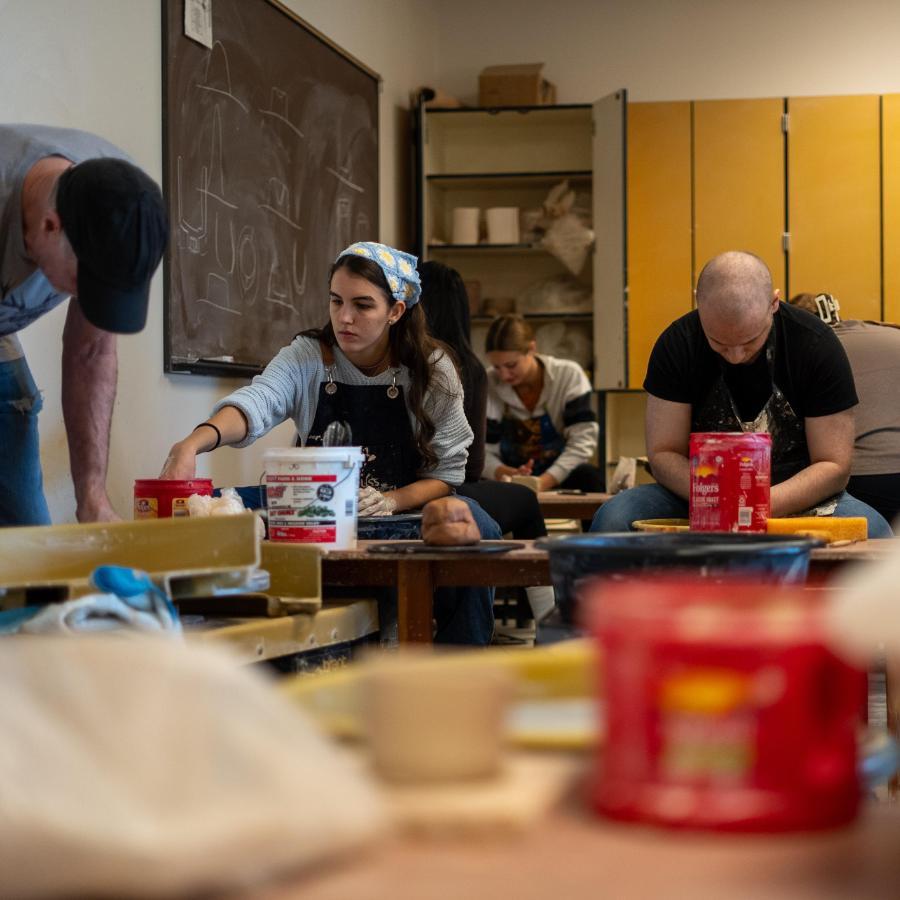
[(811, 367)]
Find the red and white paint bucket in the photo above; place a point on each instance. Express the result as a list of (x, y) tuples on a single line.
[(730, 481), (311, 495), (162, 498)]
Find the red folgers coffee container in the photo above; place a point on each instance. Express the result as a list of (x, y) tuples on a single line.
[(725, 709), (730, 480), (160, 498)]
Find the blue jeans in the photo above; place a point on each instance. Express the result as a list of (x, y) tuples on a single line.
[(653, 501), (21, 484), (463, 615)]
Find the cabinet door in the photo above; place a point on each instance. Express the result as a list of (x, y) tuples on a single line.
[(834, 201), (890, 242), (739, 181), (659, 225), (609, 243)]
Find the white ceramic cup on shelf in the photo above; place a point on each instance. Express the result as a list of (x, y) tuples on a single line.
[(502, 224), (465, 224)]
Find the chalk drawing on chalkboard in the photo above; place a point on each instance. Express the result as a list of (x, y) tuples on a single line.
[(213, 172), (190, 237), (230, 267), (344, 177), (299, 283), (278, 288), (220, 83), (248, 263), (278, 109), (279, 197), (217, 294)]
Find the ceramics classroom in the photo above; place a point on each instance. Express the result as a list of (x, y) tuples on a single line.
[(449, 449)]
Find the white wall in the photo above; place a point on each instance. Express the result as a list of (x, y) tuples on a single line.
[(676, 49), (95, 64)]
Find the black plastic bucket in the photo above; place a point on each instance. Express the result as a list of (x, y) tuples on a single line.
[(771, 558)]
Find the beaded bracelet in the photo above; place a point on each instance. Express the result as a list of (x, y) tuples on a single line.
[(216, 430)]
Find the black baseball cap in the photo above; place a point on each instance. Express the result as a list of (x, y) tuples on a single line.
[(114, 217)]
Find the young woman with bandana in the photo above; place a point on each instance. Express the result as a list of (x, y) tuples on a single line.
[(373, 366)]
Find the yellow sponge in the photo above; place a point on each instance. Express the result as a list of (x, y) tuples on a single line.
[(828, 528)]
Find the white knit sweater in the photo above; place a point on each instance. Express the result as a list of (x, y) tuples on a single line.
[(289, 388)]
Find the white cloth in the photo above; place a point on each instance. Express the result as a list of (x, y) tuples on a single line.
[(152, 768), (289, 389), (103, 612), (564, 382)]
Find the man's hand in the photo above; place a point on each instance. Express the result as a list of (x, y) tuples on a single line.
[(448, 522)]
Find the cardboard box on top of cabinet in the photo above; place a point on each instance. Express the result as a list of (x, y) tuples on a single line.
[(515, 85)]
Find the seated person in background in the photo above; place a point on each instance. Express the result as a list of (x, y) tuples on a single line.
[(373, 366), (873, 349), (744, 361), (514, 507), (539, 415)]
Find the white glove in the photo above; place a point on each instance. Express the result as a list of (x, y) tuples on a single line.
[(374, 503)]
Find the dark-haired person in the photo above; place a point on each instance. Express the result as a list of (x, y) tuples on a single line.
[(375, 367), (539, 415), (514, 507), (873, 349), (77, 219)]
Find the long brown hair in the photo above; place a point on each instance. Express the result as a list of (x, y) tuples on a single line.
[(410, 344)]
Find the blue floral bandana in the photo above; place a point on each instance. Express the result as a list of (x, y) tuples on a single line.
[(399, 268)]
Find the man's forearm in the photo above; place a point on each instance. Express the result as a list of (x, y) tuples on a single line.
[(88, 390), (672, 471), (810, 486)]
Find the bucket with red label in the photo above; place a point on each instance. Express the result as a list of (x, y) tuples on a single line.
[(162, 498), (725, 708), (730, 481), (311, 495)]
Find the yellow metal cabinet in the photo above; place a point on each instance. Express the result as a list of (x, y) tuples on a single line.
[(659, 225), (834, 200), (890, 150), (739, 181)]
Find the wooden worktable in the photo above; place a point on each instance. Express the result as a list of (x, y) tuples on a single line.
[(415, 576), (570, 506), (572, 855)]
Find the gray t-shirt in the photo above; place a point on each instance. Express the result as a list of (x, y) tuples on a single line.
[(25, 293), (874, 353)]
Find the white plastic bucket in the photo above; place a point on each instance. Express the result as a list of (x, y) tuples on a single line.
[(311, 495)]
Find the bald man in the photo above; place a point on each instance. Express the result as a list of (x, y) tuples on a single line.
[(76, 219), (744, 361)]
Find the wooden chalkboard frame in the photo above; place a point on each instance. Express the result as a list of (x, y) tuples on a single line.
[(220, 368)]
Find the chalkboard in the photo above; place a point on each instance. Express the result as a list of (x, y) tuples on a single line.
[(270, 169)]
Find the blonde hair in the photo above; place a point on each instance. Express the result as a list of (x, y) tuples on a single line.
[(509, 333)]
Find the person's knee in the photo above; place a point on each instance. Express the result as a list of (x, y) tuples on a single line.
[(614, 515), (488, 528)]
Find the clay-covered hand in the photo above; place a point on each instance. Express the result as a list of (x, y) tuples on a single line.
[(448, 522), (374, 503)]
